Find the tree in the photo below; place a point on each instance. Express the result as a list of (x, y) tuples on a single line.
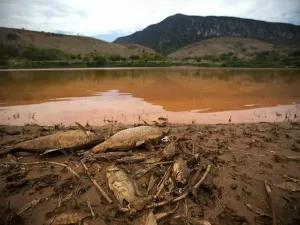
[(134, 57), (101, 60), (115, 58)]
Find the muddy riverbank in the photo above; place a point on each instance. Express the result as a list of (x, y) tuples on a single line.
[(242, 157)]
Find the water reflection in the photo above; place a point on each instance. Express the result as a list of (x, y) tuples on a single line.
[(126, 95)]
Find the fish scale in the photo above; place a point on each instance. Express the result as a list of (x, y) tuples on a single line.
[(123, 187), (66, 219), (127, 139), (63, 140)]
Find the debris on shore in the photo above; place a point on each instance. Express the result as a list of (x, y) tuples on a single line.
[(202, 174)]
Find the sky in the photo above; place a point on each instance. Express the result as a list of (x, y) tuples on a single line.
[(109, 19)]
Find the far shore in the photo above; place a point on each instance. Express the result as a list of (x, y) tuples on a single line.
[(141, 68)]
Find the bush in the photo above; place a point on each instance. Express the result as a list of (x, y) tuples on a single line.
[(115, 58), (295, 53), (134, 57), (8, 51), (101, 60), (12, 36), (3, 62), (36, 54)]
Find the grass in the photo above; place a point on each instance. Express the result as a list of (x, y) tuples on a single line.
[(31, 57)]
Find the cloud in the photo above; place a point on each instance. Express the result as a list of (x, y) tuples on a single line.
[(99, 17)]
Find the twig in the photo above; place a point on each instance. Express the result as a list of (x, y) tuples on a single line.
[(291, 179), (152, 181), (102, 192), (91, 209), (47, 162), (131, 159), (161, 183), (219, 200), (197, 174), (194, 188), (155, 205), (268, 189), (257, 211), (112, 155), (29, 206), (201, 180), (159, 204), (142, 172), (59, 200)]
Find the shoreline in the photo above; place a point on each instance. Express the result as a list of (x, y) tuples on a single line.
[(141, 68), (241, 156)]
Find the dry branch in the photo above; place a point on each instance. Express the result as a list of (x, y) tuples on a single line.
[(201, 180), (270, 194), (46, 162), (91, 209), (102, 192), (161, 184)]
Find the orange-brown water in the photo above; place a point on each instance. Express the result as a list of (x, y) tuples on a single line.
[(131, 96)]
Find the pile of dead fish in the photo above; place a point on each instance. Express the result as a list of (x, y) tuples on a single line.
[(123, 185)]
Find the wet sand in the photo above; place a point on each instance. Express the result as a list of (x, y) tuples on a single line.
[(242, 157)]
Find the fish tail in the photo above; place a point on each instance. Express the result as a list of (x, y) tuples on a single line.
[(98, 148), (139, 204)]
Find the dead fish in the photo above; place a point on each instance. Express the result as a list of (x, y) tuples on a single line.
[(123, 187), (180, 170), (169, 151), (68, 140), (163, 215), (127, 139), (288, 186), (66, 219)]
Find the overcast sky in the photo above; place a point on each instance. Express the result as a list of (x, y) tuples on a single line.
[(112, 18)]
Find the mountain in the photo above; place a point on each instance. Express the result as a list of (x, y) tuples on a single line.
[(72, 44), (180, 30), (241, 47)]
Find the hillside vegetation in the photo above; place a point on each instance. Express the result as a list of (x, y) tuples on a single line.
[(239, 52), (29, 49), (18, 45)]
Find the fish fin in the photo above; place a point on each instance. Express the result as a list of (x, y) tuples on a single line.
[(139, 143), (82, 128), (50, 150)]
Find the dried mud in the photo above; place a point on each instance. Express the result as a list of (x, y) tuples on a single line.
[(242, 157)]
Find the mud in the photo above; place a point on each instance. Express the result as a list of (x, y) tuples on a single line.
[(242, 157)]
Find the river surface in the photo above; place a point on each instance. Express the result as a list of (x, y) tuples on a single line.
[(183, 95)]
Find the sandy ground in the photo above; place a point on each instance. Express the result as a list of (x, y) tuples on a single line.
[(242, 157)]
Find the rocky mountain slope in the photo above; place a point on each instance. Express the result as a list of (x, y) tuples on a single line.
[(181, 30), (67, 43)]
